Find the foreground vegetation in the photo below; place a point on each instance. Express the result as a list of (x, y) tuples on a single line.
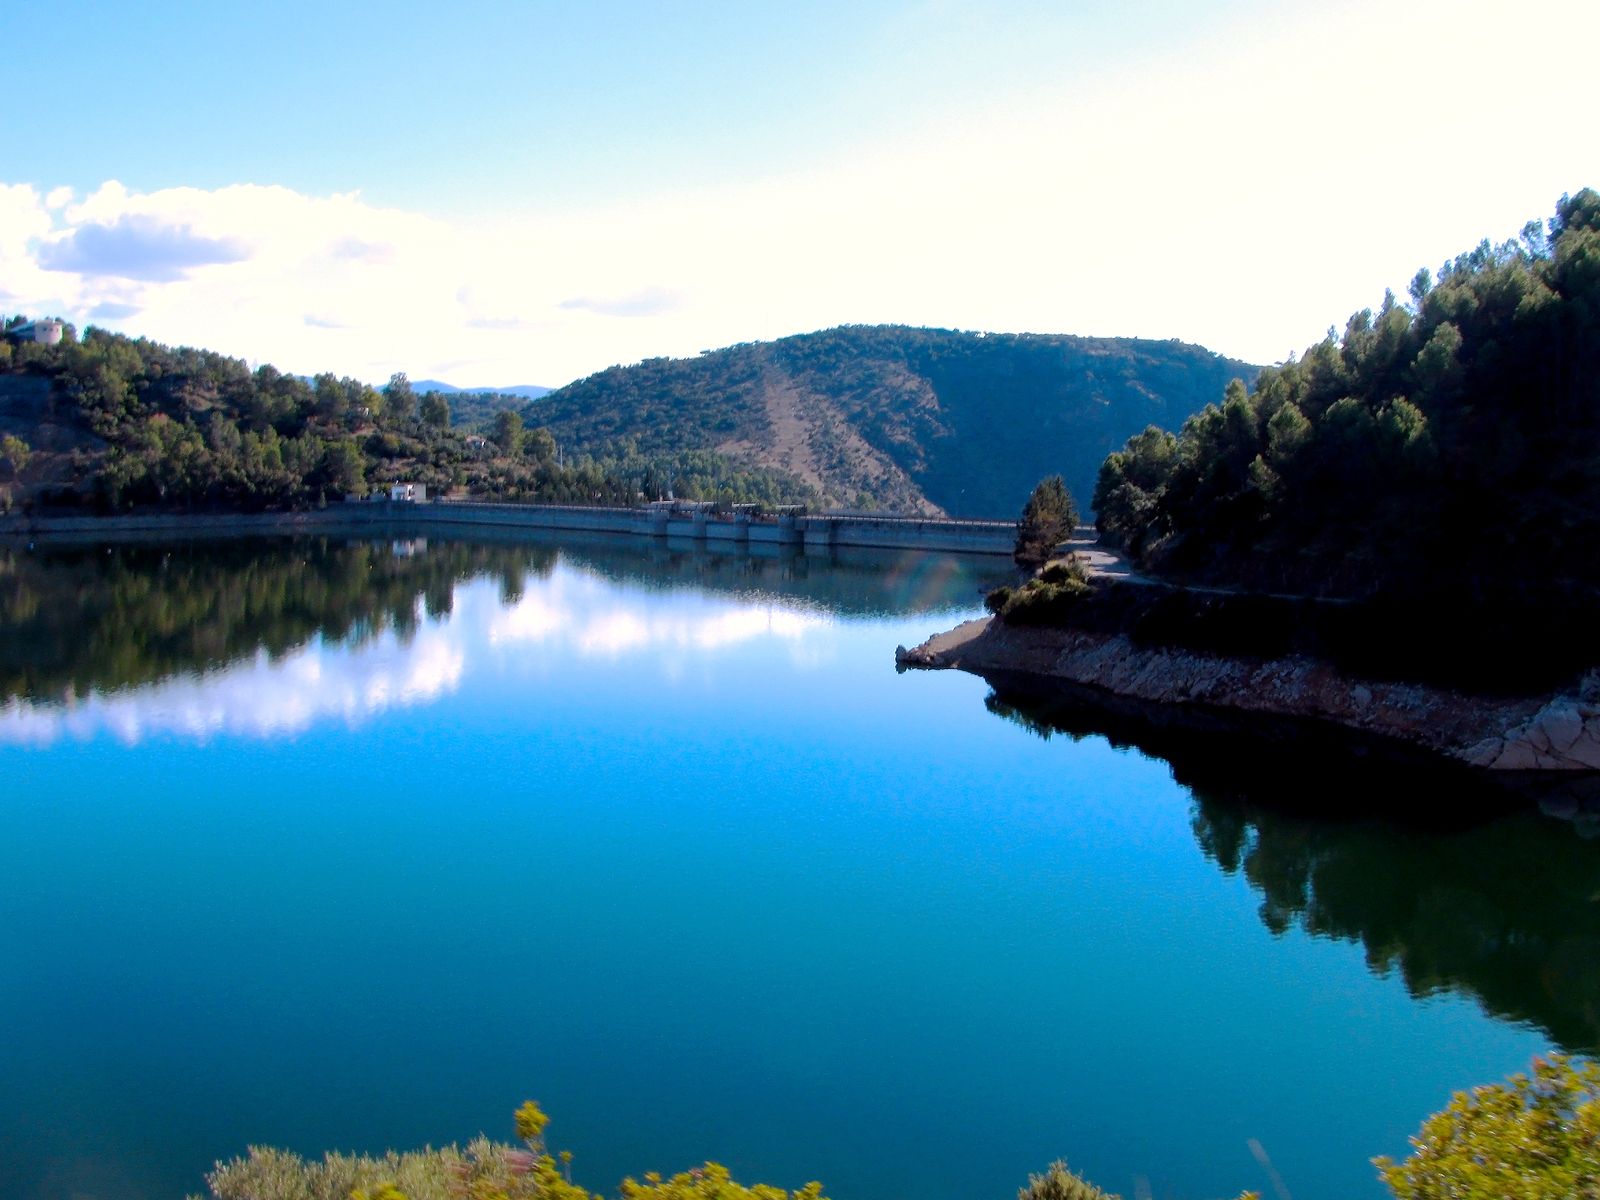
[(111, 422), (1534, 1137)]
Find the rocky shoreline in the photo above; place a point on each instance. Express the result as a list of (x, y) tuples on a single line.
[(1548, 733)]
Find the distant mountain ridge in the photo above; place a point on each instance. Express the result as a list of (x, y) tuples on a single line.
[(528, 391), (912, 419)]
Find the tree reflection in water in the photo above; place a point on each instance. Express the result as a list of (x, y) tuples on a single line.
[(81, 618), (1458, 883)]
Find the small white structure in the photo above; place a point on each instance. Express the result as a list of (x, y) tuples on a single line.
[(410, 493), (46, 332)]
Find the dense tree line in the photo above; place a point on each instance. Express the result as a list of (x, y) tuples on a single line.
[(129, 422), (1445, 449)]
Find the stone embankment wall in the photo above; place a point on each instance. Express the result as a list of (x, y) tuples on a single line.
[(1550, 733)]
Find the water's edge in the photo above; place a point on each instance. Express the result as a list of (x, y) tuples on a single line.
[(1554, 733)]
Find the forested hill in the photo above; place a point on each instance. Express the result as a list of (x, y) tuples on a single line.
[(888, 416), (1457, 435), (108, 422), (1441, 459)]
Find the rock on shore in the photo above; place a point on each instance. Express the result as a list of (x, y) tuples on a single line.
[(1552, 733)]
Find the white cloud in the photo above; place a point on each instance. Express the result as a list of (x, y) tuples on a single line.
[(1245, 196), (139, 248)]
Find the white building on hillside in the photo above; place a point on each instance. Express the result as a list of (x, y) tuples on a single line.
[(46, 332)]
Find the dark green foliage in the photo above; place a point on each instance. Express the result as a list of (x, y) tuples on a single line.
[(434, 410), (1052, 597), (900, 416), (1443, 455), (1130, 482), (1047, 520), (134, 424), (1064, 571), (399, 398), (476, 411), (1039, 603), (508, 432)]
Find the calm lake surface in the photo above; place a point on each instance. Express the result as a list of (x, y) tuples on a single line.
[(329, 844)]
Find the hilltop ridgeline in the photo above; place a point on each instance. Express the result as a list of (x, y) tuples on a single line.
[(917, 420), (886, 417)]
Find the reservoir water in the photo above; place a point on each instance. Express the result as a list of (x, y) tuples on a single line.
[(334, 844)]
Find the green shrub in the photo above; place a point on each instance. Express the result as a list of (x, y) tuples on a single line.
[(1046, 599), (1064, 570), (1058, 1183), (1534, 1137), (484, 1170), (710, 1182), (1040, 603)]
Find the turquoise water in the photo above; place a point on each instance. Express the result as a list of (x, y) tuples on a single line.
[(357, 846)]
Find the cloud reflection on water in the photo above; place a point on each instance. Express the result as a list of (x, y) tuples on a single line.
[(568, 612), (258, 698)]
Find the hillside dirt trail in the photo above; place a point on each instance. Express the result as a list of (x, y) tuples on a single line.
[(797, 421)]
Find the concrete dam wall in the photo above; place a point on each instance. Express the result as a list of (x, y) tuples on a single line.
[(811, 533)]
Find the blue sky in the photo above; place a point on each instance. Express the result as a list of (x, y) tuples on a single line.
[(493, 106), (548, 189)]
